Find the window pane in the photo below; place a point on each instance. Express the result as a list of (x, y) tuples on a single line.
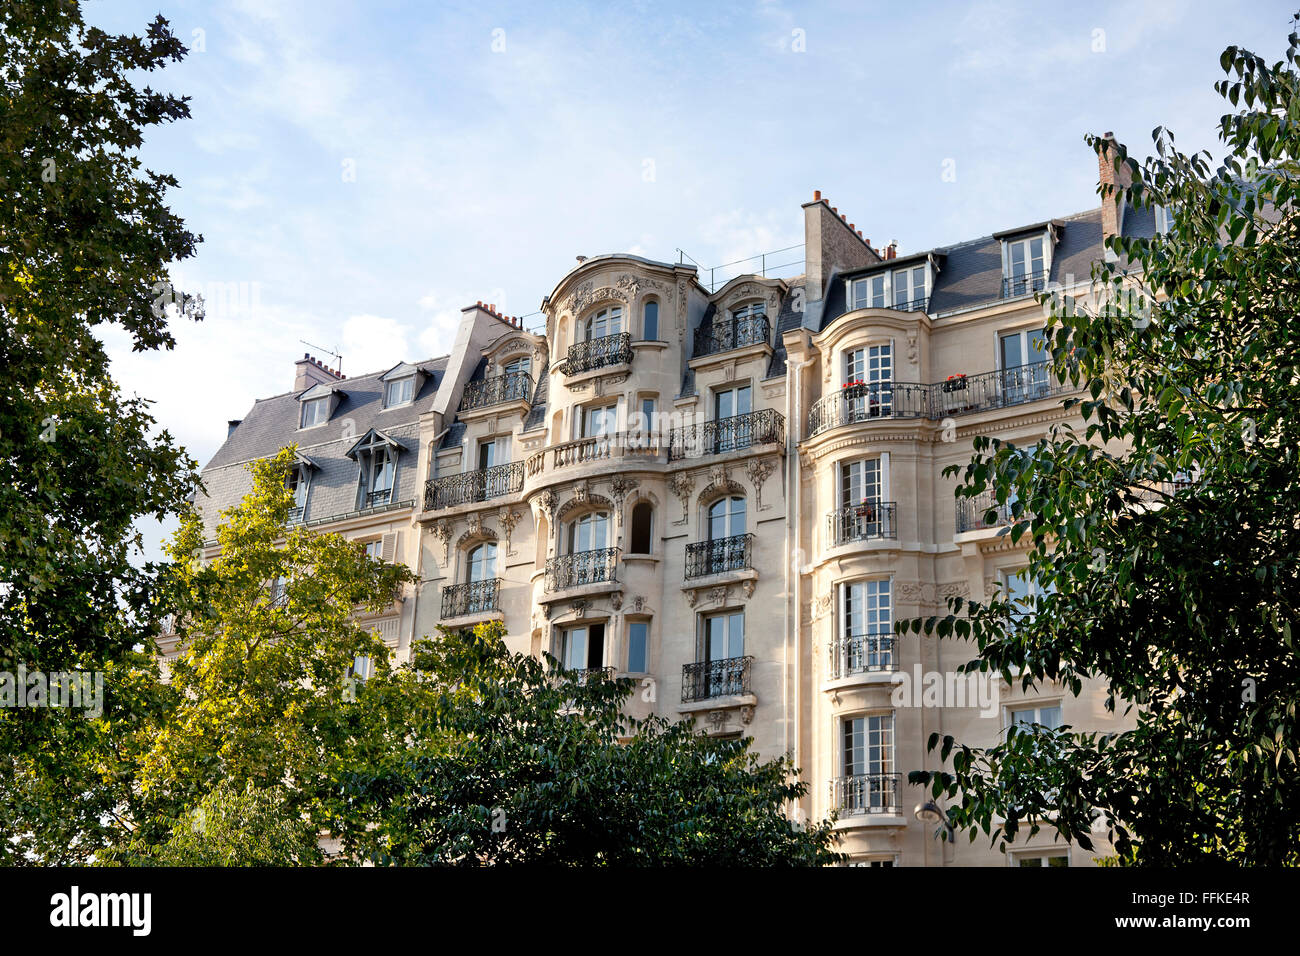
[(650, 327), (638, 634)]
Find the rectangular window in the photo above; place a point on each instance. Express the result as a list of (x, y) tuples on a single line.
[(909, 288), (399, 391), (724, 636), (583, 647), (866, 628), (650, 322), (315, 412), (599, 421), (1047, 715), (867, 760), (520, 366), (733, 404), (861, 481), (873, 367), (638, 646), (1023, 592), (871, 292), (1024, 265), (1055, 859)]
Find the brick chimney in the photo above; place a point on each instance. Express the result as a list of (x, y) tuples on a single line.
[(831, 243), (308, 371), (1109, 178)]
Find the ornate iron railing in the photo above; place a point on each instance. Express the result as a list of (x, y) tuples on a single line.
[(862, 654), (599, 353), (963, 394), (919, 304), (581, 567), (481, 485), (868, 401), (381, 497), (473, 597), (709, 679), (983, 511), (721, 554), (865, 793), (1023, 285), (511, 387), (763, 427), (863, 522), (728, 334)]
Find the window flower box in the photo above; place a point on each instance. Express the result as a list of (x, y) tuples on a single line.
[(955, 383)]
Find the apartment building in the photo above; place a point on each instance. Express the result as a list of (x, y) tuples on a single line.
[(730, 494)]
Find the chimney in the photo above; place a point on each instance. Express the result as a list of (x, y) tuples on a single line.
[(1109, 179), (309, 371), (232, 425), (831, 244)]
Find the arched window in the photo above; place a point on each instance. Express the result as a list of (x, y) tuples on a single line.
[(650, 320), (482, 563), (727, 517), (607, 321), (642, 527), (589, 533)]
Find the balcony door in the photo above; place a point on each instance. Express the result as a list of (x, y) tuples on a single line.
[(482, 563), (862, 492), (733, 430), (1023, 356), (874, 367), (868, 755), (1025, 265), (724, 636), (589, 533), (866, 627), (583, 648), (605, 322)]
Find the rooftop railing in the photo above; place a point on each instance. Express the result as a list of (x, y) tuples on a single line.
[(511, 387)]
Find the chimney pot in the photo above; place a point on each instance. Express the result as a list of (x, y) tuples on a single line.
[(834, 210), (817, 195)]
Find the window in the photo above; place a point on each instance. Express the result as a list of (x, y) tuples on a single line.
[(361, 669), (1046, 715), (724, 637), (867, 754), (376, 458), (861, 482), (1164, 220), (1023, 593), (642, 528), (642, 424), (594, 422), (298, 482), (493, 452), (1024, 265), (482, 563), (1024, 356), (873, 368), (650, 321), (583, 647), (870, 292), (589, 533), (520, 366), (750, 311), (374, 549), (399, 391), (730, 402), (731, 406), (638, 645), (727, 517), (910, 288), (1053, 858), (316, 411), (605, 322), (866, 628), (279, 591)]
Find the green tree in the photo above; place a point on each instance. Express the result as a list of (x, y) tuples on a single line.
[(481, 757), (1164, 531), (85, 241)]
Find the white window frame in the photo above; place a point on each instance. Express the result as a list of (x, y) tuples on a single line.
[(1037, 707), (870, 292), (405, 388), (909, 280), (604, 318), (315, 405), (1027, 243), (1014, 857)]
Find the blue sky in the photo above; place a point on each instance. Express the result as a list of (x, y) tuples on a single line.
[(492, 143)]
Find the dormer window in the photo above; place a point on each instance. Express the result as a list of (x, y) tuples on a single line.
[(751, 311), (1164, 220), (376, 457), (906, 289), (399, 391), (910, 289), (315, 411), (605, 322), (520, 366), (299, 483), (871, 292), (1026, 262)]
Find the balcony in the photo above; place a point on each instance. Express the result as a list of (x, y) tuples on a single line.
[(481, 485), (497, 390), (581, 451), (868, 521), (599, 353), (719, 556), (868, 401), (862, 654), (373, 499), (728, 334), (708, 680), (473, 597), (763, 427), (963, 394), (865, 793), (983, 511), (1013, 286), (920, 304), (580, 568)]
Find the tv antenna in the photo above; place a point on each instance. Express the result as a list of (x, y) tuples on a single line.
[(321, 348)]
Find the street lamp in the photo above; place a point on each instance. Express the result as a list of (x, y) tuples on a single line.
[(931, 812)]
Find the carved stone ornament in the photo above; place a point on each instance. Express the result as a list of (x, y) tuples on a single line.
[(586, 295), (475, 524), (682, 484), (442, 531), (748, 587), (718, 595), (620, 485), (508, 518), (911, 347), (616, 601), (580, 607), (747, 713), (759, 470), (548, 501)]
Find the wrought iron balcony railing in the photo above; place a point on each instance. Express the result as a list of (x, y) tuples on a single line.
[(706, 680), (867, 401), (721, 554), (963, 394), (728, 334), (511, 387), (381, 497), (763, 427), (1023, 285), (584, 674), (472, 597), (862, 654), (983, 511), (581, 567), (599, 353), (865, 793), (863, 522), (919, 304), (481, 485)]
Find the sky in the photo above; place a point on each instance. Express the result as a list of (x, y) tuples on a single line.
[(362, 171)]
